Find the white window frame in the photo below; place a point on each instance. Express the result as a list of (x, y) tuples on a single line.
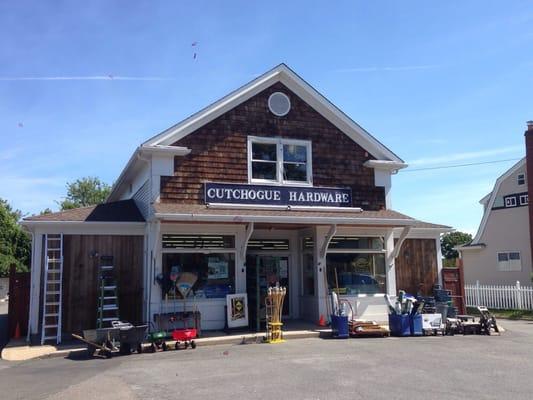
[(521, 177), (279, 142), (509, 265), (524, 199), (511, 200)]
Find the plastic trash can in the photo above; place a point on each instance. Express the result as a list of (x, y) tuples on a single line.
[(415, 322), (339, 327), (399, 325)]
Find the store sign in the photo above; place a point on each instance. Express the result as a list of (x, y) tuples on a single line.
[(229, 193)]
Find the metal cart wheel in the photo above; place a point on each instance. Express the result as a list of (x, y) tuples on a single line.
[(186, 344), (152, 348), (193, 344), (139, 348), (164, 346), (177, 345)]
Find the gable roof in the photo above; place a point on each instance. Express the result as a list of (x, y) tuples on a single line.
[(492, 198), (281, 73), (117, 211)]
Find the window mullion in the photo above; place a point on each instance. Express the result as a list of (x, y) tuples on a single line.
[(280, 161)]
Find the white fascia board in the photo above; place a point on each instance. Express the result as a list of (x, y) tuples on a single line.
[(86, 228), (423, 233), (283, 219), (493, 196), (285, 75)]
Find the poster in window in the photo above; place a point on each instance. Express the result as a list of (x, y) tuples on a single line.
[(237, 310), (217, 268)]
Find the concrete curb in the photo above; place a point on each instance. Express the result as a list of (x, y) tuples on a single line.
[(20, 351)]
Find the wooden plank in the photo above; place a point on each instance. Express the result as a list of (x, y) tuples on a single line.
[(82, 254)]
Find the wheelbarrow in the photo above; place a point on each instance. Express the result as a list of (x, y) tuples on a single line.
[(102, 339)]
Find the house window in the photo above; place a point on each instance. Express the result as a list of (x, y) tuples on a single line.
[(521, 179), (281, 161), (509, 261), (510, 202), (524, 199)]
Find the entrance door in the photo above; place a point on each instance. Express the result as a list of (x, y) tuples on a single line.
[(263, 271)]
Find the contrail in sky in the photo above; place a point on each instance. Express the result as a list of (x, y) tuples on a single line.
[(86, 78)]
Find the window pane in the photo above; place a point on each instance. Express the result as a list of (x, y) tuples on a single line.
[(211, 275), (514, 256), (264, 151), (264, 170), (295, 153), (357, 273), (503, 257), (295, 172)]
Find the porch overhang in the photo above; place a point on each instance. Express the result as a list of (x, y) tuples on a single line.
[(201, 213)]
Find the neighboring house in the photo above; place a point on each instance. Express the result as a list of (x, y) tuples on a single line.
[(500, 253), (272, 183)]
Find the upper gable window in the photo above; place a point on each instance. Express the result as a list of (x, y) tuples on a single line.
[(521, 179), (279, 161)]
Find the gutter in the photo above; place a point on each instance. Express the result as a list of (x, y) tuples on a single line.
[(30, 224)]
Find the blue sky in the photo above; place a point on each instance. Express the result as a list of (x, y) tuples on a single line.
[(439, 83)]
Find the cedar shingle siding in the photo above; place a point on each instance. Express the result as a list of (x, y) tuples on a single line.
[(219, 151)]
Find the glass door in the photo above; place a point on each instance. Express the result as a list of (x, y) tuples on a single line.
[(264, 271)]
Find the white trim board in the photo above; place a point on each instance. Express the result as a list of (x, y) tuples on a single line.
[(281, 73), (493, 196)]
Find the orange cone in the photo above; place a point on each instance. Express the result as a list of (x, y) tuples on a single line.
[(17, 332), (321, 321)]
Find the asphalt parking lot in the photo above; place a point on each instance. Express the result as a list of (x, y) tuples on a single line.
[(394, 368)]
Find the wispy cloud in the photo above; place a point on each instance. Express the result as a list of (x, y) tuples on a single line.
[(389, 68), (466, 155), (85, 78)]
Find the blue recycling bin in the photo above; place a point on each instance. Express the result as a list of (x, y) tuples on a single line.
[(399, 325), (339, 327), (415, 322)]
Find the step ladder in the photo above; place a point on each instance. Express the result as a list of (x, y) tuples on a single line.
[(107, 311), (52, 288)]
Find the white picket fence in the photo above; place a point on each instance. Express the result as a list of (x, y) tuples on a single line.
[(501, 297)]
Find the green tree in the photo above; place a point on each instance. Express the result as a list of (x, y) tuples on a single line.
[(15, 243), (450, 240), (84, 192)]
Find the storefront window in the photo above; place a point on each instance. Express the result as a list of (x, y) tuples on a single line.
[(202, 275), (356, 273)]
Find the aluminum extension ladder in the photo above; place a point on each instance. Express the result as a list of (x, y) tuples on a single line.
[(52, 289), (107, 311)]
